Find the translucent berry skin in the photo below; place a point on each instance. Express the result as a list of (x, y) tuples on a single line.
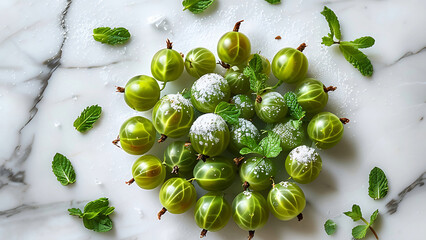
[(208, 91), (286, 200), (234, 48), (173, 115), (311, 95), (137, 135), (182, 155), (325, 130), (209, 135), (177, 195), (289, 65), (250, 210), (238, 131), (291, 132), (212, 211), (266, 65), (167, 65), (257, 171), (200, 61), (272, 109), (148, 172), (303, 164), (141, 93), (237, 81), (215, 174), (245, 104)]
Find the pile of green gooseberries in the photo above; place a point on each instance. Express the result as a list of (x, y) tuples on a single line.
[(207, 150)]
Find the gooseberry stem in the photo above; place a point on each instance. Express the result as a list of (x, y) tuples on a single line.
[(300, 217), (371, 228), (237, 26), (302, 47), (202, 157), (258, 99), (183, 56), (162, 138), (344, 120), (161, 213), (187, 144), (224, 64), (169, 44), (115, 142), (329, 88), (238, 160), (251, 235), (120, 89), (203, 233), (273, 182), (175, 170), (130, 181), (246, 185)]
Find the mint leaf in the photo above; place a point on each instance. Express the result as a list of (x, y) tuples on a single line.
[(333, 23), (363, 42), (96, 205), (98, 224), (251, 146), (378, 184), (374, 217), (271, 145), (355, 214), (87, 118), (254, 72), (330, 227), (196, 6), (75, 212), (273, 1), (63, 169), (228, 111), (328, 40), (186, 93), (296, 111), (358, 59), (95, 215), (111, 36), (359, 231)]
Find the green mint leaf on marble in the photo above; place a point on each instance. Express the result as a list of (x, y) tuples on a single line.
[(359, 231), (355, 214), (357, 58), (378, 184), (330, 227), (196, 6), (328, 40), (374, 216), (273, 1), (333, 23), (63, 169), (228, 112), (254, 72), (271, 145), (363, 42), (95, 215), (111, 36), (296, 111), (87, 118)]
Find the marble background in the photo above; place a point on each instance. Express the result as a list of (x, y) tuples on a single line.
[(51, 69)]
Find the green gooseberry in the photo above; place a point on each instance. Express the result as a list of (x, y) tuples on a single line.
[(148, 172), (209, 135), (180, 159), (215, 174), (250, 211), (286, 200), (212, 212), (172, 116), (208, 91), (234, 47), (312, 95), (177, 195), (257, 171), (237, 81), (167, 64), (245, 104), (244, 128), (271, 108), (303, 164), (290, 65), (292, 133), (200, 61), (141, 92), (325, 130), (137, 135), (266, 65)]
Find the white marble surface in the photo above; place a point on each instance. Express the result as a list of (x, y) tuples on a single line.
[(51, 69)]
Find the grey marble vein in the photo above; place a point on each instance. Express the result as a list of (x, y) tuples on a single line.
[(406, 55), (61, 206)]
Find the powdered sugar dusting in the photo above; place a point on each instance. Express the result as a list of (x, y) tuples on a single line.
[(303, 154), (207, 86), (206, 125), (177, 101), (244, 128)]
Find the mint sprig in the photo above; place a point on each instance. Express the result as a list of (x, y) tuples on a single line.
[(95, 216), (254, 72), (269, 146), (360, 231), (349, 49), (111, 36), (228, 111), (63, 169), (296, 111), (87, 118), (330, 227), (378, 184), (196, 6)]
